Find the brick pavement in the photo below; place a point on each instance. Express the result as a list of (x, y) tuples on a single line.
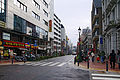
[(8, 62), (99, 66)]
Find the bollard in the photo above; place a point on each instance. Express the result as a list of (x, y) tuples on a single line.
[(78, 63), (12, 60), (75, 60), (106, 65), (88, 64)]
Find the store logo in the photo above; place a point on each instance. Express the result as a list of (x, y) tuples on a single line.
[(0, 42)]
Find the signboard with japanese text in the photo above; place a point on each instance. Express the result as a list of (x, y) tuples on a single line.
[(13, 44)]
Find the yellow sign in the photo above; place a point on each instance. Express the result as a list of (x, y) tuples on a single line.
[(0, 43), (2, 24)]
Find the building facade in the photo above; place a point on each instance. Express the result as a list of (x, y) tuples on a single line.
[(111, 25), (57, 34), (86, 40), (63, 39), (24, 26), (96, 21)]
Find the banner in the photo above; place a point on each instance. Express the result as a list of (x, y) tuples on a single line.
[(13, 44), (50, 25)]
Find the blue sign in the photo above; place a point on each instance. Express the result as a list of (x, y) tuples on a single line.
[(101, 40)]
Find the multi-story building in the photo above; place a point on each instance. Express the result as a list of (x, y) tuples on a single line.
[(24, 26), (96, 21), (57, 34), (63, 39), (87, 42), (111, 25)]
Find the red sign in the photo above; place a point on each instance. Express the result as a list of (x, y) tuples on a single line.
[(13, 44), (50, 25)]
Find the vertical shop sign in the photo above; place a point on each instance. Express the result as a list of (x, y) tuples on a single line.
[(50, 25)]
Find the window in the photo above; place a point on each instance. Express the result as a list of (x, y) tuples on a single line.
[(45, 13), (19, 24), (36, 4), (3, 10), (35, 16), (45, 3), (119, 9), (20, 5), (45, 22)]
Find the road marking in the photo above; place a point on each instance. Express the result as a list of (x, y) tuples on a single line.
[(54, 64), (104, 78), (61, 64), (38, 64), (46, 64), (109, 75)]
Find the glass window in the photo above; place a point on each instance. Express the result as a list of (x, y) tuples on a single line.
[(0, 4), (0, 10), (3, 6), (3, 1), (22, 6), (3, 11)]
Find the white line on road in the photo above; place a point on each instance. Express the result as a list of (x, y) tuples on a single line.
[(108, 75), (54, 64), (104, 78), (61, 64), (46, 64), (38, 64)]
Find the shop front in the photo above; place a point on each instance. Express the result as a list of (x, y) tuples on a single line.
[(11, 48)]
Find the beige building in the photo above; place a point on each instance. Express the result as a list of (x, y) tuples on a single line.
[(25, 24)]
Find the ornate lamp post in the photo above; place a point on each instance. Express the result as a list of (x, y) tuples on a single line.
[(79, 52)]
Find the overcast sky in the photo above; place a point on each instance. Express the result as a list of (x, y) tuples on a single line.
[(74, 14)]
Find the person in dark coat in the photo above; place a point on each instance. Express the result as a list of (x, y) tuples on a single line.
[(112, 59), (118, 58)]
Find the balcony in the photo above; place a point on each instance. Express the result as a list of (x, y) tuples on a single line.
[(95, 27), (110, 5), (94, 18), (111, 24)]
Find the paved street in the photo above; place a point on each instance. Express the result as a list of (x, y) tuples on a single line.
[(60, 68)]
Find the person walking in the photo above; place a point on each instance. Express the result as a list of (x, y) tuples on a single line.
[(102, 56), (112, 59), (118, 58), (93, 56)]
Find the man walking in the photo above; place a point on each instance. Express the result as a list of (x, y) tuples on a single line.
[(112, 59)]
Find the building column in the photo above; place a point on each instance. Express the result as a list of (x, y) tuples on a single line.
[(113, 41)]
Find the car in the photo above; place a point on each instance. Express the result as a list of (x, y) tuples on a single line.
[(73, 53)]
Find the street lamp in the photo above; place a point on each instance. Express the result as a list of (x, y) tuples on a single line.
[(79, 54)]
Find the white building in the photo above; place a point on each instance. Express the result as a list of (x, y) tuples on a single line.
[(111, 24), (57, 34), (27, 21)]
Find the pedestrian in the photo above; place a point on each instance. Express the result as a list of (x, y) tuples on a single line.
[(98, 59), (93, 56), (118, 58), (112, 59), (102, 56)]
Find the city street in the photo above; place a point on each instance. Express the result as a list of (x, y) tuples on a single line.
[(60, 68)]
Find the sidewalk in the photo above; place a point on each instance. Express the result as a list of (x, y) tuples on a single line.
[(98, 66), (9, 62)]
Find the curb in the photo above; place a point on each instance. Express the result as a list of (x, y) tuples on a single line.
[(13, 63), (97, 69)]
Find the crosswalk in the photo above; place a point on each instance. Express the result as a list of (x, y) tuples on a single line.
[(57, 64), (105, 76)]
